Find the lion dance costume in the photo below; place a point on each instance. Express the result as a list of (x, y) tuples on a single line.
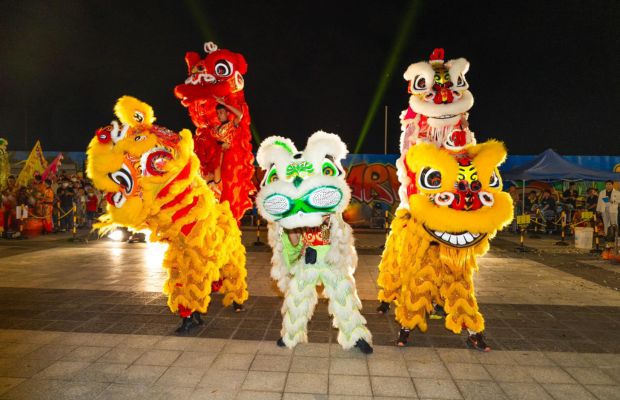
[(223, 147), (304, 194), (151, 176), (452, 204)]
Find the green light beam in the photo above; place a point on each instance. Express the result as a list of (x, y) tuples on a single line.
[(255, 134), (199, 16), (388, 70)]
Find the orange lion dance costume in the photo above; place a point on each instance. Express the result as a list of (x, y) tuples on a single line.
[(213, 94)]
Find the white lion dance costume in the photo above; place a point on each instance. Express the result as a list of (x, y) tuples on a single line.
[(303, 195), (452, 204)]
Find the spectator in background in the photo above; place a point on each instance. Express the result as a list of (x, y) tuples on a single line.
[(591, 200), (547, 208), (9, 202), (514, 194), (569, 198), (92, 204), (80, 202), (48, 207), (608, 202), (531, 203), (66, 196)]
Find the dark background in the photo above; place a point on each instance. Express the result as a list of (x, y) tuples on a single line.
[(543, 73)]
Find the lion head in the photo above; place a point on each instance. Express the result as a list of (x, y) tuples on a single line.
[(439, 90), (301, 187), (458, 198), (134, 160), (219, 74)]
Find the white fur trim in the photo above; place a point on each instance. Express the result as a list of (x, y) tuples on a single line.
[(420, 68), (279, 270), (270, 153), (321, 144), (456, 68)]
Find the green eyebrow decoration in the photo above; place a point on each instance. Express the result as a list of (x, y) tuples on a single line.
[(284, 146)]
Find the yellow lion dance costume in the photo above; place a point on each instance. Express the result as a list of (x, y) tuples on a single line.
[(152, 179), (456, 205)]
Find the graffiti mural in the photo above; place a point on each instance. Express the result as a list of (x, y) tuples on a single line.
[(374, 190)]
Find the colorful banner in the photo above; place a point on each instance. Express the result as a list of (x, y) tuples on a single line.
[(52, 169), (34, 163)]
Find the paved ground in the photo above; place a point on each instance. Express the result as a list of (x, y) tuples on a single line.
[(88, 321)]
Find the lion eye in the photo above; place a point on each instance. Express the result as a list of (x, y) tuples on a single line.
[(419, 83), (329, 169), (430, 178), (223, 68), (271, 177), (494, 182)]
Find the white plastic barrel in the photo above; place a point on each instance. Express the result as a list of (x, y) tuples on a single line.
[(583, 237)]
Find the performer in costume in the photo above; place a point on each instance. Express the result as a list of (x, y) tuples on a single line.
[(213, 94), (451, 205), (437, 110), (5, 165), (303, 195), (152, 179)]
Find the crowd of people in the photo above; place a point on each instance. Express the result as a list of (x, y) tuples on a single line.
[(55, 201), (548, 205)]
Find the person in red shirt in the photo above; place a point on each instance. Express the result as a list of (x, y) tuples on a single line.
[(92, 202)]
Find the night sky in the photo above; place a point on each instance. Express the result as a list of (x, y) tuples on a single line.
[(543, 73)]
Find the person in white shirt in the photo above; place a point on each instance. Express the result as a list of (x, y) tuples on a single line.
[(608, 201)]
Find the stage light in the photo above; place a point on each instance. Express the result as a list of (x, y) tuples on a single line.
[(388, 70), (117, 235)]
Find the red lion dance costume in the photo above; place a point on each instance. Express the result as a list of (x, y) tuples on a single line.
[(223, 146)]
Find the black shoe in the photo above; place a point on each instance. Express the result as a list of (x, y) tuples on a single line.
[(185, 326), (476, 342), (363, 346), (403, 335), (280, 343), (197, 318), (438, 312), (237, 307), (383, 308)]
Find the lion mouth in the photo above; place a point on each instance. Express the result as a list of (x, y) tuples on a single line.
[(444, 116), (462, 239), (200, 79)]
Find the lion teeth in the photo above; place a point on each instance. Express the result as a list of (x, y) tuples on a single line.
[(457, 239)]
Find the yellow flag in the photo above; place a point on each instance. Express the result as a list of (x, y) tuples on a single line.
[(35, 163)]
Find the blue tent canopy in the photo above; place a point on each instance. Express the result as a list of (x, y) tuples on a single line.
[(549, 165)]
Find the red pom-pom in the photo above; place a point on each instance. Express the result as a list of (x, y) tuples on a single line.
[(104, 135), (437, 55)]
